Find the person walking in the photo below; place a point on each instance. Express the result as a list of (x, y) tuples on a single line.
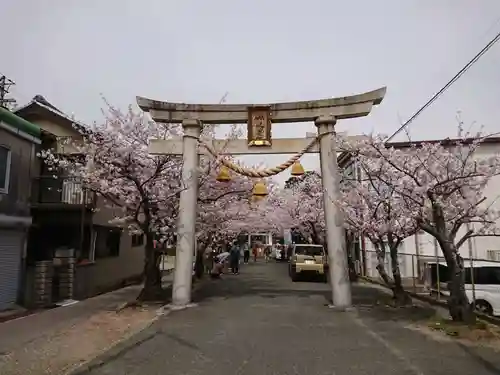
[(235, 258), (246, 252), (209, 259), (267, 253), (254, 253), (289, 252)]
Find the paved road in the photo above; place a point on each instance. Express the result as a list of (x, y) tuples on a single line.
[(259, 322)]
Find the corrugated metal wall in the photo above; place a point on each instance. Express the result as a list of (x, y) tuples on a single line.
[(10, 262)]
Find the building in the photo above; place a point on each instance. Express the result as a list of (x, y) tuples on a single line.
[(420, 247), (18, 141), (71, 238)]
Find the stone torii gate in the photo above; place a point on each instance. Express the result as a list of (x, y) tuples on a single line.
[(259, 118)]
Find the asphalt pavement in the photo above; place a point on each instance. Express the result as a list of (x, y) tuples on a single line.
[(260, 322)]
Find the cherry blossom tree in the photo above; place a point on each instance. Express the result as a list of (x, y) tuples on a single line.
[(142, 189), (270, 214), (228, 209), (442, 185), (303, 200), (373, 209), (220, 205), (258, 214)]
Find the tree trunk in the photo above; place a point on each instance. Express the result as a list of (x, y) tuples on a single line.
[(401, 297), (380, 251), (152, 289), (199, 264), (349, 239), (315, 237), (458, 304)]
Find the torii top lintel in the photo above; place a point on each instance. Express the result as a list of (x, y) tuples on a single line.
[(302, 111)]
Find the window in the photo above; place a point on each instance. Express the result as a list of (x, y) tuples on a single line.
[(468, 275), (309, 250), (439, 273), (107, 243), (85, 252), (113, 242), (4, 169), (493, 255), (137, 240), (487, 275)]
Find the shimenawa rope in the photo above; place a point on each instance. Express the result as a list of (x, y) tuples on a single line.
[(268, 172)]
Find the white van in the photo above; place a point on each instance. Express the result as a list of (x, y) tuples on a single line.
[(482, 285)]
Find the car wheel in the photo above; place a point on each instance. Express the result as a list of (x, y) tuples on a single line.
[(483, 307), (294, 276)]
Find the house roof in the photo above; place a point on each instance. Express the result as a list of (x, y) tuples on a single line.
[(345, 156), (39, 101), (19, 123)]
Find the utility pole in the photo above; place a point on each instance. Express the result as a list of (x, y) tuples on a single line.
[(5, 84)]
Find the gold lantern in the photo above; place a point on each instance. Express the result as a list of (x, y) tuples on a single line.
[(224, 175), (259, 189), (297, 169)]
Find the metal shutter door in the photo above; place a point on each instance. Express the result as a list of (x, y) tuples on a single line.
[(10, 261)]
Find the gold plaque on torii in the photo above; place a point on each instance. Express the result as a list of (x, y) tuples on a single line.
[(259, 126)]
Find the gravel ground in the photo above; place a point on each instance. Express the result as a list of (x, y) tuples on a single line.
[(63, 350), (58, 341)]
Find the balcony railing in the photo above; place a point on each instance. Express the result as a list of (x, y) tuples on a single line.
[(60, 190)]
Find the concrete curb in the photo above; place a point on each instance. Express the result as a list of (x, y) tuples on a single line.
[(433, 302), (126, 343)]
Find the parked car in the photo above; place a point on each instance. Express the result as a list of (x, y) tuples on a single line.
[(308, 260), (481, 285)]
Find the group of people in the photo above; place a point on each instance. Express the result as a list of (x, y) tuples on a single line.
[(216, 262)]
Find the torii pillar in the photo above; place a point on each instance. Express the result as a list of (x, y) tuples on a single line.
[(324, 113)]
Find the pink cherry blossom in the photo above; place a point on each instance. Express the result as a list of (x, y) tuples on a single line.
[(302, 199), (142, 189), (374, 209), (440, 186)]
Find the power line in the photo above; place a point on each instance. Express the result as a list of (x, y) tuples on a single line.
[(447, 86)]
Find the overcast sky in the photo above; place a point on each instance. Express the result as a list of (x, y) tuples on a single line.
[(259, 51)]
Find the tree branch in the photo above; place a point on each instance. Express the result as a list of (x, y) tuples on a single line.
[(464, 238), (215, 199), (471, 234), (428, 228)]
